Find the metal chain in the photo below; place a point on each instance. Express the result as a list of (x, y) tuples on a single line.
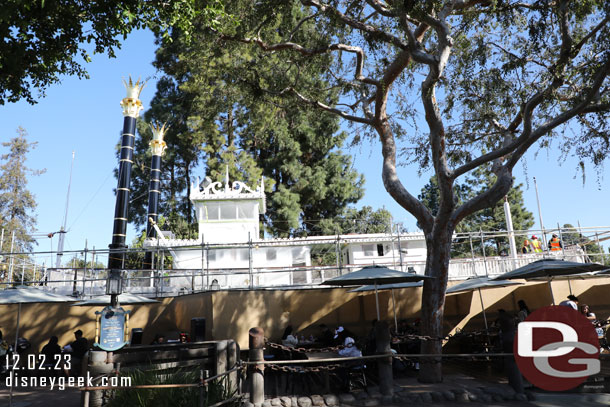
[(302, 350), (302, 369), (458, 334)]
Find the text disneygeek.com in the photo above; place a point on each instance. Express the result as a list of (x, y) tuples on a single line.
[(60, 383)]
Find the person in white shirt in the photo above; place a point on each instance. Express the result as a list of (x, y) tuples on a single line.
[(350, 349), (288, 339), (571, 302)]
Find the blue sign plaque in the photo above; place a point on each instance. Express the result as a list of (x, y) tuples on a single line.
[(112, 326)]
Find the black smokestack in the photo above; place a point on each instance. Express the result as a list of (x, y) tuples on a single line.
[(157, 146), (131, 109)]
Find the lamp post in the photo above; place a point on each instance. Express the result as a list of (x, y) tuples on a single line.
[(116, 257), (157, 146)]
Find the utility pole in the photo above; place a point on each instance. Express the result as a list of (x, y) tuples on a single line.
[(544, 246), (62, 230), (511, 233)]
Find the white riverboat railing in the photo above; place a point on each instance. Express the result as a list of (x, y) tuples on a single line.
[(327, 260)]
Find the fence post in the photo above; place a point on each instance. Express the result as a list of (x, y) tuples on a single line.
[(221, 356), (256, 342), (97, 365), (382, 338), (232, 355)]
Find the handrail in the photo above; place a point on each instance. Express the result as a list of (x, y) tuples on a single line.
[(201, 383)]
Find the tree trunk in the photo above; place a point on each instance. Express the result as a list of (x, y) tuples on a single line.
[(433, 301)]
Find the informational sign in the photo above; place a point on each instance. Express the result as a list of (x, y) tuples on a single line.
[(112, 323)]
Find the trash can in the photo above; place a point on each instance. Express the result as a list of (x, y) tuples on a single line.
[(136, 336), (197, 329)]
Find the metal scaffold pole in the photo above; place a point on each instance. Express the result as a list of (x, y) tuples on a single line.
[(202, 262), (484, 256), (250, 271), (399, 247), (10, 267)]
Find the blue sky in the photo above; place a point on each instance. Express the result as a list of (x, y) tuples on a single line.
[(84, 116)]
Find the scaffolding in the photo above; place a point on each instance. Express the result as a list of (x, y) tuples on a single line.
[(327, 261)]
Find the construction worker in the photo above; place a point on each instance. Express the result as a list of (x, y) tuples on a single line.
[(537, 246), (527, 247), (555, 244)]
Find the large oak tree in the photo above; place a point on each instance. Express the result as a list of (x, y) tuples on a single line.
[(452, 85)]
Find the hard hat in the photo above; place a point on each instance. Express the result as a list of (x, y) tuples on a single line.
[(534, 237)]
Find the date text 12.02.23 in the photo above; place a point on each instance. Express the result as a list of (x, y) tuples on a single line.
[(40, 362)]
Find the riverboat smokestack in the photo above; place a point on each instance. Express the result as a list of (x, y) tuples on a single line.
[(131, 110), (157, 147)]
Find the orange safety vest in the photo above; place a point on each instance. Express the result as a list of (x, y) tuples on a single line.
[(554, 244), (537, 247)]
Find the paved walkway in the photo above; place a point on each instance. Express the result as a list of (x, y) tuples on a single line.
[(453, 380), (41, 397)]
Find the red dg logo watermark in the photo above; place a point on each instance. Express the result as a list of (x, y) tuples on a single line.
[(556, 348)]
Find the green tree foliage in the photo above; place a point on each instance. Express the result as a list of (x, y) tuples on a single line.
[(352, 220), (364, 220), (44, 39), (449, 86), (572, 236), (17, 204), (491, 219), (218, 117)]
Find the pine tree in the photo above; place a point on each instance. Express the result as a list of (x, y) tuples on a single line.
[(17, 204), (219, 119), (486, 220), (364, 220)]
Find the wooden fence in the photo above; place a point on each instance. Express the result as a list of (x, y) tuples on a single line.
[(212, 357)]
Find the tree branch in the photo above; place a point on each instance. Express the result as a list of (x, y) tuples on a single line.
[(389, 176), (300, 23), (381, 8), (311, 52), (486, 199), (562, 118), (366, 28), (326, 107)]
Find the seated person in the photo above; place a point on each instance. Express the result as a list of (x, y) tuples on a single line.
[(159, 339), (288, 339), (571, 302), (51, 349), (350, 349)]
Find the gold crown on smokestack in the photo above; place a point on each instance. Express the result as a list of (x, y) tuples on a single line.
[(157, 145), (134, 88), (131, 104)]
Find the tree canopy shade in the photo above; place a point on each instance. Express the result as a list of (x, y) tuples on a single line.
[(44, 39), (452, 86)]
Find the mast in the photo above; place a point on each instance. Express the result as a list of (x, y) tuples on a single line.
[(62, 230)]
